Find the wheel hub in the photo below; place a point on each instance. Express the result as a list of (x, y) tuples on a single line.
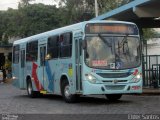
[(29, 89), (67, 91)]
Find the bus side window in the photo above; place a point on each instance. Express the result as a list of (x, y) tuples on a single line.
[(32, 51), (16, 54), (65, 43), (53, 46)]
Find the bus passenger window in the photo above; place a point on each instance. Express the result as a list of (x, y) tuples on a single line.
[(16, 54), (32, 51), (52, 50), (65, 45)]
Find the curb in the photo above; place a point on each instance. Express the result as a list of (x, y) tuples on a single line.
[(151, 91)]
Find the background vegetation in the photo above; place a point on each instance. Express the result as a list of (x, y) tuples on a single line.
[(30, 19)]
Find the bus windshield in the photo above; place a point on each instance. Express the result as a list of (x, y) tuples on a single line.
[(112, 52)]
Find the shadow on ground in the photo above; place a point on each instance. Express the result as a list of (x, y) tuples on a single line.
[(83, 100)]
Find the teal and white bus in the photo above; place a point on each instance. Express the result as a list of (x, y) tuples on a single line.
[(87, 58)]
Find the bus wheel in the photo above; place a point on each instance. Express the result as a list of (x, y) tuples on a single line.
[(113, 97), (30, 91), (67, 96)]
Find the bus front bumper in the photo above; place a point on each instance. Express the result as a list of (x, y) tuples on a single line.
[(89, 88)]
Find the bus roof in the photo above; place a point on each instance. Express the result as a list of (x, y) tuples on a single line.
[(73, 27)]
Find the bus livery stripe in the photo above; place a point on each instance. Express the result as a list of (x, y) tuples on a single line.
[(49, 75), (34, 75)]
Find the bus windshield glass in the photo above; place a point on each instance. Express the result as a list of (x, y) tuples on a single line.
[(112, 52)]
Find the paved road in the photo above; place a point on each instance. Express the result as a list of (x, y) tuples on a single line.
[(15, 101)]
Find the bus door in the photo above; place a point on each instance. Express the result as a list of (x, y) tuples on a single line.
[(22, 68), (78, 58), (41, 69)]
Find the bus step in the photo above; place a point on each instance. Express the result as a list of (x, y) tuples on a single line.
[(43, 92), (78, 92)]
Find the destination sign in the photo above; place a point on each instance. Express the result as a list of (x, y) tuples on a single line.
[(111, 28)]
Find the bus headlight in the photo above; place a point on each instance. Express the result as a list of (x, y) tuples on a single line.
[(90, 78), (14, 78), (136, 78)]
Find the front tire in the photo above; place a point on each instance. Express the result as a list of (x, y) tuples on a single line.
[(113, 97), (67, 96)]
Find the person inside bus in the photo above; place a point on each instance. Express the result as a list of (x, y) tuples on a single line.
[(61, 45)]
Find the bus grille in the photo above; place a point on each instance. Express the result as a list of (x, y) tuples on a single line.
[(115, 87), (114, 75), (111, 81)]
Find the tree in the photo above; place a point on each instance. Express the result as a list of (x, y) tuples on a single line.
[(2, 25), (107, 5), (74, 11), (81, 10), (24, 3), (32, 19), (149, 33), (28, 20)]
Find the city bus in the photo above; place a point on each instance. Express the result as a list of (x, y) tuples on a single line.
[(87, 58)]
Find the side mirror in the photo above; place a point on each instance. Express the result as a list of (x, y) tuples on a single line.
[(48, 57), (84, 44)]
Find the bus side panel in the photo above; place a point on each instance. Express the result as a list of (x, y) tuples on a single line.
[(32, 72), (16, 77), (64, 67), (22, 69), (45, 77), (51, 76)]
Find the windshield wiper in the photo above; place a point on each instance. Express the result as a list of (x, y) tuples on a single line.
[(125, 46), (123, 43), (106, 42)]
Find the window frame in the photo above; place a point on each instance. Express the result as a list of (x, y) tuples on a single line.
[(70, 44), (16, 48), (49, 46), (33, 51)]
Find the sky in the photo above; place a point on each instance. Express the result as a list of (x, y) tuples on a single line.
[(4, 4)]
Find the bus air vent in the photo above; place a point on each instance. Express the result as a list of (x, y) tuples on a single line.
[(111, 81), (115, 87), (114, 75)]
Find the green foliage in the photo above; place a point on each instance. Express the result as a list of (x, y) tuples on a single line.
[(149, 33), (28, 20), (24, 3), (38, 18), (31, 19), (80, 10), (74, 11)]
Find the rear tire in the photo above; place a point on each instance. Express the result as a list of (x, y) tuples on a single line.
[(67, 96), (31, 93), (113, 97)]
